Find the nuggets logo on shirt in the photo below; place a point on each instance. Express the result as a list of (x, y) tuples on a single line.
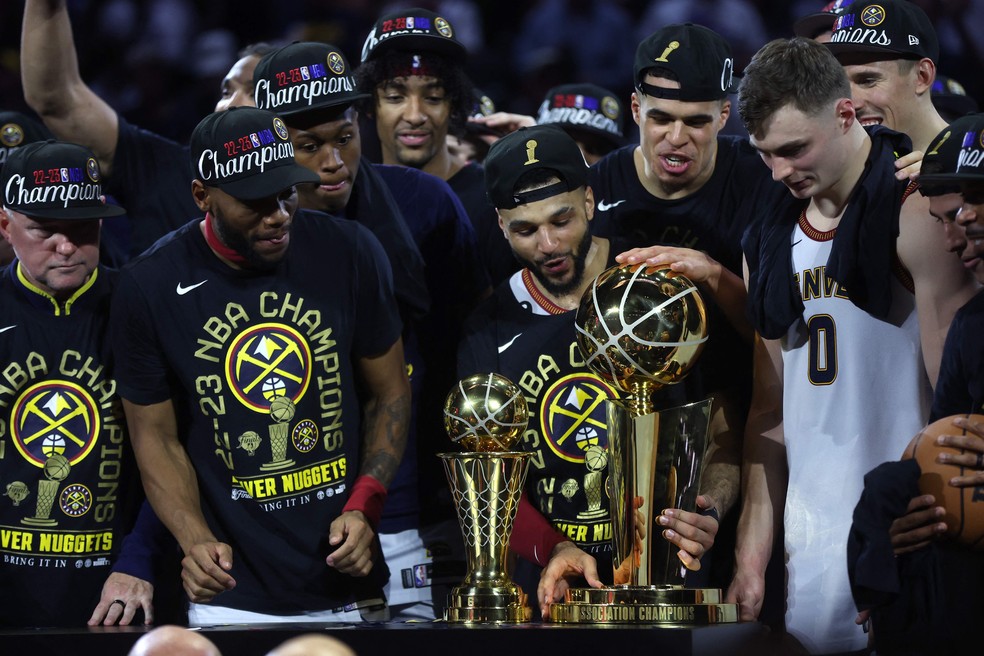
[(268, 361), (573, 415), (54, 418)]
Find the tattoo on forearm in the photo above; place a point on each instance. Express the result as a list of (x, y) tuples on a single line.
[(385, 438)]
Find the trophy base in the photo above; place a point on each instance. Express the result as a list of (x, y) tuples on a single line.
[(491, 605), (654, 604), (277, 464), (39, 521)]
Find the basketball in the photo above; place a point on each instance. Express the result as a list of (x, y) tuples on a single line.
[(273, 387), (964, 505), (52, 445), (56, 468), (281, 409), (485, 413)]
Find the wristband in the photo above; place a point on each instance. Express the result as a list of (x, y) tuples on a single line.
[(367, 496), (533, 537)]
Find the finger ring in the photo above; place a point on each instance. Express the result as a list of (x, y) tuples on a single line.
[(118, 601), (980, 460)]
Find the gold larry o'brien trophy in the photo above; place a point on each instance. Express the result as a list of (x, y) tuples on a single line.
[(486, 414), (642, 328)]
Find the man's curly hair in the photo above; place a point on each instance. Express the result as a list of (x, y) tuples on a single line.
[(374, 73)]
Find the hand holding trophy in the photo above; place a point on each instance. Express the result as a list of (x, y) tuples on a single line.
[(486, 414)]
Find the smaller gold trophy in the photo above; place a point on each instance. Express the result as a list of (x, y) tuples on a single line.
[(56, 469), (486, 414)]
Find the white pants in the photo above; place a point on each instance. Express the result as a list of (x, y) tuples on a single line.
[(211, 615), (410, 556)]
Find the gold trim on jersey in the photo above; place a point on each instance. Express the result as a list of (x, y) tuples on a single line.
[(60, 309), (538, 296)]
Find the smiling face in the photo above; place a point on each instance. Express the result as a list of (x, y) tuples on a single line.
[(413, 115), (332, 150), (884, 93), (678, 140), (56, 256), (551, 237), (258, 230)]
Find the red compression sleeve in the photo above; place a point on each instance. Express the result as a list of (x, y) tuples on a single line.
[(367, 496), (533, 537)]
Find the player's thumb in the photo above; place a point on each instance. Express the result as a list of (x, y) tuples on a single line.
[(223, 556)]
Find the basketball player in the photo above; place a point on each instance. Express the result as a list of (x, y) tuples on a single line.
[(846, 357), (890, 50), (144, 171), (412, 68), (244, 389), (324, 130), (525, 332), (70, 485)]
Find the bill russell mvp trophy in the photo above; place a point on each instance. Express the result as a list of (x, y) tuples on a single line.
[(642, 328), (486, 414)]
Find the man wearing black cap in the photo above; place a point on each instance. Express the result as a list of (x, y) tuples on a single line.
[(310, 85), (244, 379), (412, 69), (537, 180), (592, 115), (889, 50), (17, 130), (70, 485), (852, 300)]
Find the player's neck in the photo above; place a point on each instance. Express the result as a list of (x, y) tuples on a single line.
[(444, 165), (928, 125), (594, 264), (828, 205)]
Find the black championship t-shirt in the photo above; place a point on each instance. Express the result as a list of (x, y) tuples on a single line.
[(520, 334), (960, 386), (261, 369), (151, 178), (69, 483)]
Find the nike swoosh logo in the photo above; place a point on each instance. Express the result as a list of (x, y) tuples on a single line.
[(509, 343), (604, 207), (797, 241), (184, 290), (3, 330)]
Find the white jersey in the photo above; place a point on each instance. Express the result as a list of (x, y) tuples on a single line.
[(855, 391)]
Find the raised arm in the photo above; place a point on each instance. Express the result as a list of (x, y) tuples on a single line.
[(386, 412), (54, 88), (764, 480), (942, 284), (172, 488)]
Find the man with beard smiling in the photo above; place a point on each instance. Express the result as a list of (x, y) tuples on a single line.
[(253, 343), (525, 332)]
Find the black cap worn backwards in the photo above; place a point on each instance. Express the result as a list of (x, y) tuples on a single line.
[(950, 98), (55, 180), (584, 108), (811, 25), (18, 130), (699, 58), (894, 28), (415, 31), (246, 152), (529, 149), (956, 154), (303, 77)]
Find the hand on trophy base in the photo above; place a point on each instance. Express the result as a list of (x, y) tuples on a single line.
[(566, 561)]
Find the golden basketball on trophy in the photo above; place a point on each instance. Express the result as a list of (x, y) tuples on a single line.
[(486, 414)]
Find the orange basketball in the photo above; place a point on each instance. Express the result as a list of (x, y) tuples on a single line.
[(964, 505)]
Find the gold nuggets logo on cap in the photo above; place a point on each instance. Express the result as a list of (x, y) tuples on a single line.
[(92, 169), (873, 15), (335, 63), (280, 129), (609, 107), (443, 27), (11, 135)]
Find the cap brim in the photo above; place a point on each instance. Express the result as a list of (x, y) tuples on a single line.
[(337, 102), (943, 178), (814, 24), (269, 183), (574, 130), (838, 49), (420, 43), (102, 211)]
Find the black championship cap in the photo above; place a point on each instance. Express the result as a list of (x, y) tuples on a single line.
[(18, 130), (302, 77), (584, 108), (412, 30), (55, 180), (483, 106), (700, 59), (894, 28), (246, 152), (529, 149), (811, 25), (956, 154)]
